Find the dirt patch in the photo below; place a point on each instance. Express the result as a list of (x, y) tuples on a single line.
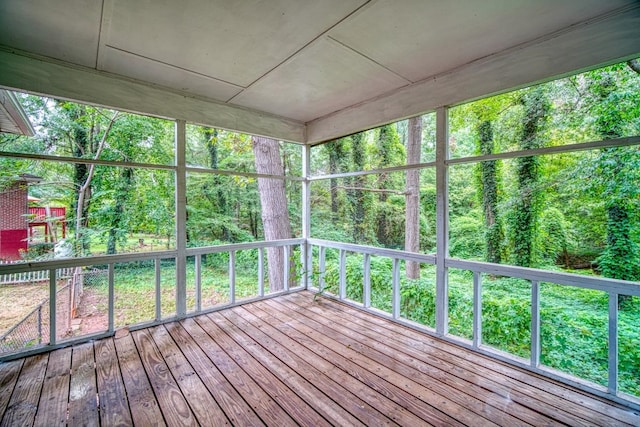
[(18, 300), (92, 314)]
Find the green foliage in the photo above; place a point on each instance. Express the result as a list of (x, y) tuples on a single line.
[(621, 257), (552, 239), (467, 237)]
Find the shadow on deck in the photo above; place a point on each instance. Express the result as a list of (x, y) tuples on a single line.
[(286, 361)]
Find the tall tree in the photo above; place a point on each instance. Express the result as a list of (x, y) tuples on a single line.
[(388, 148), (359, 199), (118, 217), (412, 196), (525, 217), (489, 182), (211, 142), (84, 175), (273, 199), (336, 158)]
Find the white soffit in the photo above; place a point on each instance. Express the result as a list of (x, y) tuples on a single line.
[(323, 78), (143, 69), (233, 41), (67, 30), (419, 39)]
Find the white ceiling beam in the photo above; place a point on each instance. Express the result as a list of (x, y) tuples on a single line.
[(65, 81), (600, 41)]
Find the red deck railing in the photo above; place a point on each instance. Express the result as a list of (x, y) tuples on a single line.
[(43, 216)]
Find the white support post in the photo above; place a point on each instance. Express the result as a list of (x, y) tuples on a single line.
[(322, 266), (477, 309), (112, 298), (181, 219), (52, 306), (442, 221), (307, 263), (366, 280), (395, 288), (232, 277), (198, 283), (287, 266), (613, 343), (158, 291), (261, 272), (342, 293), (535, 323)]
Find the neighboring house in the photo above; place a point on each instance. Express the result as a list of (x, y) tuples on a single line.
[(14, 211)]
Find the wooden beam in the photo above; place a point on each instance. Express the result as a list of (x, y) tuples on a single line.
[(600, 41), (66, 81)]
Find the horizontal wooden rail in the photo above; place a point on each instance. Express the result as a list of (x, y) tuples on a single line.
[(569, 279)]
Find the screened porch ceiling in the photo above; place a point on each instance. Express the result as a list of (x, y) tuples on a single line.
[(303, 71)]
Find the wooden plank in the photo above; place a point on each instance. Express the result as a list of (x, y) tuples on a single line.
[(261, 402), (495, 407), (438, 366), (320, 402), (83, 404), (342, 359), (556, 399), (114, 409), (234, 406), (26, 393), (52, 409), (142, 402), (174, 406), (204, 406), (390, 370), (297, 408), (9, 372), (357, 398), (443, 360)]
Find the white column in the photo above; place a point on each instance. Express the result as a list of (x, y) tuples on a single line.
[(307, 263), (442, 220), (181, 220)]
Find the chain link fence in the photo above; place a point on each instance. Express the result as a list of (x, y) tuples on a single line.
[(33, 329)]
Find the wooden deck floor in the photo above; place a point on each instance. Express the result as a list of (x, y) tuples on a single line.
[(286, 361)]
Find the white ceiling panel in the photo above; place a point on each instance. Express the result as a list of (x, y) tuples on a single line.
[(127, 64), (325, 77), (234, 41), (420, 39), (293, 69), (61, 29)]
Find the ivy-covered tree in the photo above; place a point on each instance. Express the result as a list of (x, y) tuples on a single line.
[(412, 196), (390, 150), (536, 108), (489, 185), (361, 200)]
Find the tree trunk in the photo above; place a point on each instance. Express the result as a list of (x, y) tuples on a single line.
[(536, 108), (211, 142), (358, 201), (122, 200), (275, 216), (489, 181), (412, 197), (84, 193)]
